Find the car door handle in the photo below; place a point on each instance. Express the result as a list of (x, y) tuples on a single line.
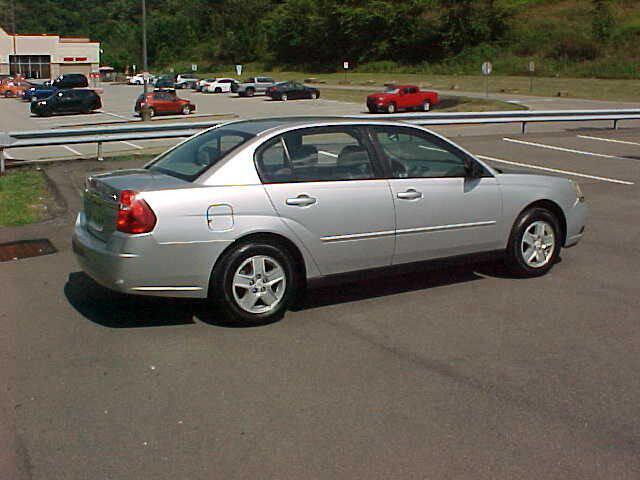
[(410, 194), (301, 201)]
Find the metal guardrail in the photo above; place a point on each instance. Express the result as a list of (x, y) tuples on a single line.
[(103, 134)]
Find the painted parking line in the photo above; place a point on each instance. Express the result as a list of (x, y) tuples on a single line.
[(555, 170), (116, 115), (328, 153), (75, 152), (624, 142), (132, 145), (561, 149)]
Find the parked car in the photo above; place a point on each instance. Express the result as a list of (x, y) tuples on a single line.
[(186, 80), (70, 80), (39, 92), (74, 100), (203, 83), (311, 198), (164, 102), (291, 91), (139, 79), (405, 97), (252, 85), (219, 85), (13, 87), (164, 82)]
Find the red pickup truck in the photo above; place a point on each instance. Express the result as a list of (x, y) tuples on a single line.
[(404, 97)]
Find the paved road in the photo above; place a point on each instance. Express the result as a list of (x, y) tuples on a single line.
[(454, 372), (118, 101)]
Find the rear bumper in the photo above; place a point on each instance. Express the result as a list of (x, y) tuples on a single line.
[(137, 264)]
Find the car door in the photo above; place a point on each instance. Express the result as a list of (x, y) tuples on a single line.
[(65, 101), (441, 210), (328, 189)]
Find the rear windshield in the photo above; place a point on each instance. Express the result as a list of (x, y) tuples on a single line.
[(192, 158)]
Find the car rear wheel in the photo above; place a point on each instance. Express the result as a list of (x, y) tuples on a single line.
[(534, 244), (152, 112), (7, 94), (218, 90), (254, 283), (250, 92), (391, 108), (284, 97), (314, 95), (186, 110)]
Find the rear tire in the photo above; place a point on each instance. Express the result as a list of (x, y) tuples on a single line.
[(250, 92), (534, 244), (284, 97), (217, 90), (314, 95), (254, 283), (426, 106), (7, 94), (152, 112), (186, 110)]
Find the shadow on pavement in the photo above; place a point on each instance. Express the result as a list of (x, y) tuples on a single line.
[(116, 310)]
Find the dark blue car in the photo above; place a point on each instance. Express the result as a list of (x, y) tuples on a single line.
[(63, 82)]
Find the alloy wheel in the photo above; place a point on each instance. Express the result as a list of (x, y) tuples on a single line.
[(259, 284), (538, 244)]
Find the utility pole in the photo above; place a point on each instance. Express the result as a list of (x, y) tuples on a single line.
[(13, 17), (145, 67)]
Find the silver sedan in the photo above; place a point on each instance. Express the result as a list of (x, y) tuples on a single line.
[(247, 212)]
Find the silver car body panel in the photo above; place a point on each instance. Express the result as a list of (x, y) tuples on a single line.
[(351, 225)]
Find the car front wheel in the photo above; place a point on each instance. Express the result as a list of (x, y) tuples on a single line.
[(186, 110), (254, 283), (391, 108), (426, 106), (534, 244)]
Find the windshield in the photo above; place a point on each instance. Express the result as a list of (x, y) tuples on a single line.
[(190, 159), (391, 90)]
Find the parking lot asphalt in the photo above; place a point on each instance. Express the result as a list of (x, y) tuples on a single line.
[(119, 100), (450, 371)]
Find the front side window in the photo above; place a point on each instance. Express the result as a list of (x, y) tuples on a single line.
[(192, 158), (315, 155), (417, 155)]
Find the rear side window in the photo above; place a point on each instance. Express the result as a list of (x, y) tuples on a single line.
[(315, 155), (193, 157)]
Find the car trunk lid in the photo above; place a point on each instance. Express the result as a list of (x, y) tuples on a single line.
[(102, 195)]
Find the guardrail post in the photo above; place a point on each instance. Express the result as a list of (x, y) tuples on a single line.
[(615, 124), (100, 157), (2, 167), (524, 128)]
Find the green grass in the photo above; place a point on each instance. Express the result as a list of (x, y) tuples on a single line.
[(24, 198), (447, 103), (589, 88)]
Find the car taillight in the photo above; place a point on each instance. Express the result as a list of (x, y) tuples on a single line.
[(134, 214)]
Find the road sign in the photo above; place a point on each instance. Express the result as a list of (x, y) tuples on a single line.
[(345, 65), (238, 70), (194, 67), (487, 68), (532, 67)]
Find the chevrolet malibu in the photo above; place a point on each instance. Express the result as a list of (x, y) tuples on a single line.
[(247, 212)]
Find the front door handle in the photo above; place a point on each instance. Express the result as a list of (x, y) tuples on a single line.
[(410, 194), (301, 201)]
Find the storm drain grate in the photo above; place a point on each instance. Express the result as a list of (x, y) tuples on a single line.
[(25, 249)]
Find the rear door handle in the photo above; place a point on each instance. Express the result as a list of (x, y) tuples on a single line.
[(410, 194), (301, 201)]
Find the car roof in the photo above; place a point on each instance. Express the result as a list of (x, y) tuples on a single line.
[(259, 126)]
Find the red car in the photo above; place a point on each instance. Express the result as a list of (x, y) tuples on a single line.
[(164, 102), (405, 97)]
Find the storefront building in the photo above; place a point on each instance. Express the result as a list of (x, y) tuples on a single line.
[(47, 56)]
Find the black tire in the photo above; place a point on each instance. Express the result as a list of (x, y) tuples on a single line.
[(250, 92), (186, 110), (7, 94), (221, 288), (152, 112), (217, 90), (314, 95), (284, 97), (391, 108), (515, 260)]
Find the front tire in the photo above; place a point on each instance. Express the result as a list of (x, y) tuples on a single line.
[(254, 283), (391, 108), (284, 97), (186, 110), (217, 90), (426, 106), (534, 244), (250, 92)]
